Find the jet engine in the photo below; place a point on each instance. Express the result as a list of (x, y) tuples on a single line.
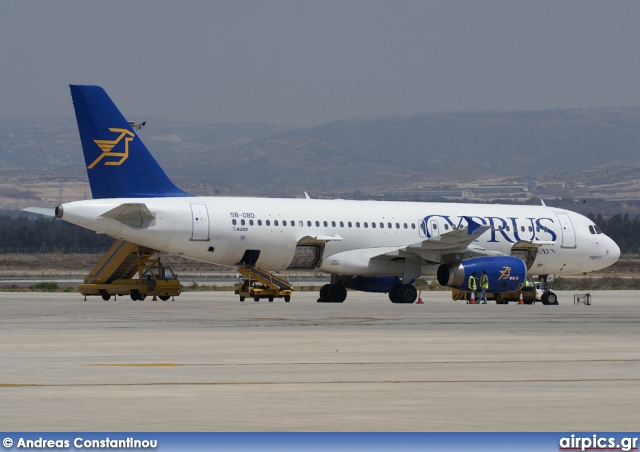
[(506, 273)]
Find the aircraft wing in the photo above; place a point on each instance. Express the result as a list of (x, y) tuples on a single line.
[(432, 249)]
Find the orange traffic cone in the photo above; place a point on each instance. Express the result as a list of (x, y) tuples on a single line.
[(520, 300), (420, 298), (154, 298), (473, 298)]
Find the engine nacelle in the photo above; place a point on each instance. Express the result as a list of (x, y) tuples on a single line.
[(506, 273), (377, 284)]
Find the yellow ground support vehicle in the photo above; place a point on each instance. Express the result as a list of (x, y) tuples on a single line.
[(259, 284), (128, 269), (529, 294)]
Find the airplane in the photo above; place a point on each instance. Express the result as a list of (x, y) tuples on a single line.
[(371, 246)]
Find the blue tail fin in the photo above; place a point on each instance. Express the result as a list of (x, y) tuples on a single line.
[(118, 164)]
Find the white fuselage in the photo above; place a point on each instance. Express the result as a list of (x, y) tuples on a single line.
[(220, 230)]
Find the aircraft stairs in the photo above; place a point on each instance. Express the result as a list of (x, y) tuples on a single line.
[(259, 283), (115, 274)]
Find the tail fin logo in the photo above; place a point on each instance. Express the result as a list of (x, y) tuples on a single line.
[(106, 146)]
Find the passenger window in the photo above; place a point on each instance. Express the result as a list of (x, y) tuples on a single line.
[(537, 229), (413, 225), (325, 224), (434, 226), (507, 228), (301, 223), (309, 223), (373, 224), (333, 223), (242, 222), (234, 222), (251, 222), (446, 227), (284, 222), (357, 224), (267, 222), (342, 224), (366, 225), (317, 223), (405, 226), (259, 222), (397, 225), (522, 228), (545, 229), (349, 224), (530, 229), (275, 222), (381, 225)]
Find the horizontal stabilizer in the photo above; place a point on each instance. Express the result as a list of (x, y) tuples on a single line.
[(136, 215), (47, 211)]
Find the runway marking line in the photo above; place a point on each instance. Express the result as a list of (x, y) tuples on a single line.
[(134, 365), (289, 383)]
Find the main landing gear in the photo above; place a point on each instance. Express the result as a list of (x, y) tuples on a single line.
[(403, 293), (332, 293), (337, 293)]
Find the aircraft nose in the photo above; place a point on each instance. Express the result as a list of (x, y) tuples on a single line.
[(614, 250)]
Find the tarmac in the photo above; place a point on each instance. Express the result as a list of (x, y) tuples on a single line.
[(206, 362)]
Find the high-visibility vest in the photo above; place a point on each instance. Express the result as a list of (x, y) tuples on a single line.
[(484, 282), (472, 283)]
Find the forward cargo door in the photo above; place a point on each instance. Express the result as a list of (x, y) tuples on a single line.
[(568, 233)]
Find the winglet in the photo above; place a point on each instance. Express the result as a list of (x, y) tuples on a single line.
[(118, 164)]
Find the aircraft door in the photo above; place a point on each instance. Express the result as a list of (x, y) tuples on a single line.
[(422, 228), (434, 228), (568, 233), (200, 222)]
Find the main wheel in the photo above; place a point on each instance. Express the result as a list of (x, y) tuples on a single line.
[(393, 293), (324, 294), (407, 293), (337, 293)]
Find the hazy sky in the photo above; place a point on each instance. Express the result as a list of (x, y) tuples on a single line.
[(308, 62)]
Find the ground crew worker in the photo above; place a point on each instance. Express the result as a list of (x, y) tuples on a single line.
[(473, 285), (484, 285)]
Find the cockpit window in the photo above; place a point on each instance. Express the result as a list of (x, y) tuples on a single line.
[(598, 231), (592, 229)]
